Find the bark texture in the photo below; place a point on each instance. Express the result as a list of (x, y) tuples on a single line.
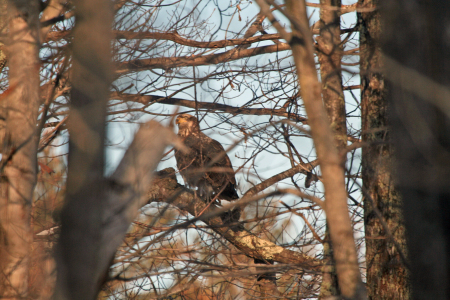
[(387, 276), (330, 55), (165, 188), (3, 26), (418, 96), (341, 231), (19, 111)]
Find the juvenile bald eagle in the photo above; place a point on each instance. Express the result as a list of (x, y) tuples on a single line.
[(206, 166)]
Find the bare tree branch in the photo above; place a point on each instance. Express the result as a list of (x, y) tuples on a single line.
[(166, 186), (331, 163), (150, 99), (167, 63)]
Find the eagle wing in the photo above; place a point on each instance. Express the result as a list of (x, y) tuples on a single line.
[(204, 150), (222, 163)]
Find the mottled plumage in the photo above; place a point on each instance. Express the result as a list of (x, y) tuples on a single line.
[(218, 178)]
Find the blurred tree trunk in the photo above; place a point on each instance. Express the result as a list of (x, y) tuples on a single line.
[(78, 255), (330, 54), (387, 276), (19, 113), (3, 26), (417, 62)]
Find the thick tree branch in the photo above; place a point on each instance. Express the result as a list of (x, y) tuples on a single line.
[(342, 8), (167, 63), (127, 193), (53, 10), (166, 185), (174, 37), (150, 99)]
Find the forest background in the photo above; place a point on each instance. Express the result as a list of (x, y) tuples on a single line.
[(335, 116)]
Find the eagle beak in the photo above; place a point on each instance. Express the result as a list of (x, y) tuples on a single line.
[(179, 120)]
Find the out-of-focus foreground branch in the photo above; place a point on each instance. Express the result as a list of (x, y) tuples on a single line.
[(418, 95), (18, 140), (80, 263)]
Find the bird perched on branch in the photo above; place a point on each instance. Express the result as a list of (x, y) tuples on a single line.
[(207, 165)]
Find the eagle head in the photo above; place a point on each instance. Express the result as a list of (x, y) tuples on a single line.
[(186, 124)]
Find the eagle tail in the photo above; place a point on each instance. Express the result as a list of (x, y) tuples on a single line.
[(229, 193)]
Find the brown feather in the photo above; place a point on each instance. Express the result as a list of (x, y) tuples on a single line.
[(219, 177)]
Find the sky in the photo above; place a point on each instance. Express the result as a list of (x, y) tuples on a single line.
[(120, 133)]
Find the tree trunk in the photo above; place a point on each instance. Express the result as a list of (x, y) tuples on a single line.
[(3, 32), (387, 276), (336, 209), (417, 62), (330, 54), (19, 144), (78, 252)]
